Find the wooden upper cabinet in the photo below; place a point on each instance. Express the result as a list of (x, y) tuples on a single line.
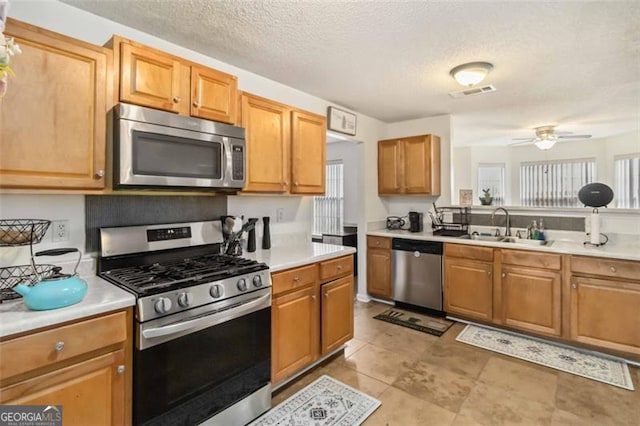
[(409, 166), (213, 94), (267, 136), (308, 153), (389, 167), (53, 117), (155, 79), (150, 78)]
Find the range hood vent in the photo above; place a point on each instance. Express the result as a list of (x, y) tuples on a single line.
[(473, 91)]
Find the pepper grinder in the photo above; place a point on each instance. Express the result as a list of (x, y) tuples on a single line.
[(251, 242), (266, 234)]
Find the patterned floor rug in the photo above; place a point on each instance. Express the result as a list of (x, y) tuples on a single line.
[(325, 402), (423, 323), (561, 358)]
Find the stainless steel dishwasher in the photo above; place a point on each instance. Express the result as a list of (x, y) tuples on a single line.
[(417, 273)]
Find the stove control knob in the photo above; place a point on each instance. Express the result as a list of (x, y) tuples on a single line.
[(257, 281), (216, 291), (185, 299), (162, 305), (242, 284)]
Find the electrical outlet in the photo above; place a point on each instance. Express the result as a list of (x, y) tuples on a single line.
[(60, 231), (279, 214)]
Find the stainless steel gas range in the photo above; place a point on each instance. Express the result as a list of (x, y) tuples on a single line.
[(202, 332)]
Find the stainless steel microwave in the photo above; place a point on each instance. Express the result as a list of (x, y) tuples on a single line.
[(158, 149)]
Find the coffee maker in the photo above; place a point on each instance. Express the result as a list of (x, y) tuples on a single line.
[(415, 222)]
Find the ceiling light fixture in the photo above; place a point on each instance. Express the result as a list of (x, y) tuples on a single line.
[(545, 144), (471, 73)]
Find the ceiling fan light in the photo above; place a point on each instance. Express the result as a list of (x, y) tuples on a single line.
[(545, 144), (471, 73)]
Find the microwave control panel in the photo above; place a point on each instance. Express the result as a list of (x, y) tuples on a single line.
[(237, 159)]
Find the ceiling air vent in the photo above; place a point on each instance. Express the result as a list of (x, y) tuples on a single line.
[(473, 91)]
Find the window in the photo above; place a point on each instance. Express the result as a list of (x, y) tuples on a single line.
[(328, 210), (627, 181), (555, 183), (491, 176)]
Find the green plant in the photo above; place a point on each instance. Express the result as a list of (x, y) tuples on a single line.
[(487, 193)]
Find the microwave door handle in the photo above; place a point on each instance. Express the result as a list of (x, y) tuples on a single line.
[(227, 171), (208, 320)]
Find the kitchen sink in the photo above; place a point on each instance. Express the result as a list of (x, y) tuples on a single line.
[(482, 238), (524, 241)]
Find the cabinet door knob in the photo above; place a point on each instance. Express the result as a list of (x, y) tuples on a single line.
[(613, 269), (504, 274), (59, 346), (377, 243), (574, 285), (313, 297), (296, 278), (339, 267), (489, 273), (176, 99), (121, 369), (326, 295), (295, 184), (196, 104), (100, 174)]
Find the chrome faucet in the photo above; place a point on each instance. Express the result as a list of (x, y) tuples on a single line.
[(507, 226)]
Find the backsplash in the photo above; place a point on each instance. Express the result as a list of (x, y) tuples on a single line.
[(103, 211), (523, 221)]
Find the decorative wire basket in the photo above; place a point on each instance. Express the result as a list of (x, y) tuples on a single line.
[(22, 232), (23, 274)]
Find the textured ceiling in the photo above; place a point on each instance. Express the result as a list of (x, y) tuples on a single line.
[(571, 64)]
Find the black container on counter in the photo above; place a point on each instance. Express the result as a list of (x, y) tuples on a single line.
[(251, 242), (266, 234)]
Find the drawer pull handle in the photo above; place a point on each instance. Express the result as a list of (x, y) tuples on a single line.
[(613, 269), (339, 267), (59, 346), (296, 278), (377, 243), (121, 369)]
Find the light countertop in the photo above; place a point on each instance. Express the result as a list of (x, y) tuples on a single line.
[(625, 251), (104, 297), (101, 297), (280, 258)]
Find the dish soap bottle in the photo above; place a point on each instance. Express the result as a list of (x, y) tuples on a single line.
[(541, 231), (534, 231)]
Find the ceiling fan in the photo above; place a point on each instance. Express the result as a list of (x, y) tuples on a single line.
[(546, 137)]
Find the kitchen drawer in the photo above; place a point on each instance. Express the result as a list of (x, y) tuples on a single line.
[(335, 268), (532, 259), (469, 252), (378, 242), (45, 348), (292, 278), (606, 267)]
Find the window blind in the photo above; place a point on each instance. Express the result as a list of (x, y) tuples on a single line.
[(627, 181), (328, 210), (555, 183)]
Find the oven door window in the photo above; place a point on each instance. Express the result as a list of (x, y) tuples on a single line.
[(165, 155), (193, 377)]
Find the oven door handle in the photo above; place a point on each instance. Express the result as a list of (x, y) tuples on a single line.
[(208, 320)]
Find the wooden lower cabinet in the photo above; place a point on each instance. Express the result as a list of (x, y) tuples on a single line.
[(311, 314), (468, 288), (90, 392), (294, 331), (531, 299), (379, 267), (337, 313), (605, 313), (85, 366)]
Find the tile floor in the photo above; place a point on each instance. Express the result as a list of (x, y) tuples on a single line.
[(426, 380)]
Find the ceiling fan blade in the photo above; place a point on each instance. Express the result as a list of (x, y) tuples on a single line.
[(526, 142), (562, 133), (574, 137), (523, 139)]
